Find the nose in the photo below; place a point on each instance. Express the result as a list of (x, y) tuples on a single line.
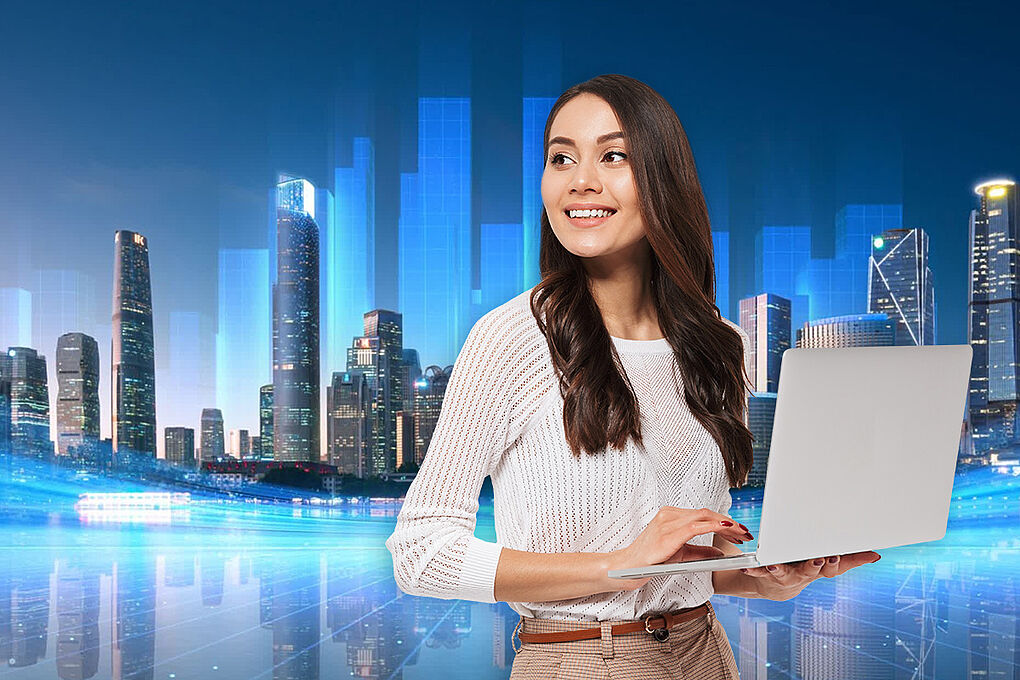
[(585, 178)]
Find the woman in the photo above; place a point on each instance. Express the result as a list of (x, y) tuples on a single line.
[(607, 406)]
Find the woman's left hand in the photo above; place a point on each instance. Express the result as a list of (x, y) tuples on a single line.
[(783, 581)]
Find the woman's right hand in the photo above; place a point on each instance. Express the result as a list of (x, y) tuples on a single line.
[(665, 540)]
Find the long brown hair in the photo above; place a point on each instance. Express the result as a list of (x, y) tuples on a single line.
[(600, 407)]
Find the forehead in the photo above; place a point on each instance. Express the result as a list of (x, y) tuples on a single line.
[(584, 118)]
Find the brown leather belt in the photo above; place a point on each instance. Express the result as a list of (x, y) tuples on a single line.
[(656, 625)]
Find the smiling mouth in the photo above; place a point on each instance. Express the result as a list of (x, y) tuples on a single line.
[(588, 218), (589, 214)]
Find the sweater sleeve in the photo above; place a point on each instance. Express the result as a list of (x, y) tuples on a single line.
[(435, 552)]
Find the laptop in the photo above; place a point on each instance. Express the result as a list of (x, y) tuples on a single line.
[(863, 454)]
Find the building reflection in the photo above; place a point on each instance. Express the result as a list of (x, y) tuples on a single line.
[(372, 620), (77, 621), (27, 599), (290, 603), (765, 639), (211, 568), (133, 604), (179, 571)]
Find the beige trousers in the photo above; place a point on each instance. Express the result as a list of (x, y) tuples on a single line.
[(695, 650)]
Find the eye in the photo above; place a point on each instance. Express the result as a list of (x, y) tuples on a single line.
[(557, 159), (622, 156)]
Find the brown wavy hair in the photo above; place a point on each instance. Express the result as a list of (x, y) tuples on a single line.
[(600, 407)]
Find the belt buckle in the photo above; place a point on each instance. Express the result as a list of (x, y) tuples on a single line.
[(660, 634)]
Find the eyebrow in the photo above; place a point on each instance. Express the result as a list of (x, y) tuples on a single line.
[(601, 140)]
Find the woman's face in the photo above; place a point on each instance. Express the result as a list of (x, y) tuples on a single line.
[(587, 168)]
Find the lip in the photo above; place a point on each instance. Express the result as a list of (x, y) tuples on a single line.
[(586, 222)]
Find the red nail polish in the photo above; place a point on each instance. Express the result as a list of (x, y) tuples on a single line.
[(726, 524), (818, 563), (743, 571), (772, 567), (743, 527)]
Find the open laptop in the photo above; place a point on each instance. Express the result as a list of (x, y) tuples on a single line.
[(863, 454)]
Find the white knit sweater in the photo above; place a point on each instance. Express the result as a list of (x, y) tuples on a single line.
[(502, 416)]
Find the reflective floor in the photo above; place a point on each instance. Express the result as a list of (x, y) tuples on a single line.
[(241, 591)]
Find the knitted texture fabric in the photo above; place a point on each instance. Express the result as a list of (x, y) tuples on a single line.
[(502, 417)]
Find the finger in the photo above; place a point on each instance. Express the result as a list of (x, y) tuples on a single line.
[(831, 567), (780, 572), (854, 560), (756, 572), (691, 551), (810, 568)]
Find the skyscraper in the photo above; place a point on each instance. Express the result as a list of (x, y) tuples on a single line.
[(266, 421), (29, 401), (179, 445), (134, 375), (77, 392), (240, 444), (766, 320), (296, 324), (994, 305), (348, 424), (5, 416), (900, 284), (212, 434)]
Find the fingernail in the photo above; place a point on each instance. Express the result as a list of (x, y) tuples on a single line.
[(726, 524), (743, 571), (834, 559), (749, 536), (739, 541), (743, 527), (772, 567), (818, 563)]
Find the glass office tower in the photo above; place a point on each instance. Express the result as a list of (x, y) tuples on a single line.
[(134, 372), (77, 392), (296, 324), (994, 305)]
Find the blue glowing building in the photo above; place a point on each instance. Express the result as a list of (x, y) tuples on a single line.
[(502, 258), (134, 370), (350, 251), (15, 317), (536, 111), (296, 324), (721, 257), (782, 256), (435, 230), (244, 331), (994, 306), (856, 225), (901, 284)]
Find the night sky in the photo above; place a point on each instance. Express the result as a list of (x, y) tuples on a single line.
[(173, 119)]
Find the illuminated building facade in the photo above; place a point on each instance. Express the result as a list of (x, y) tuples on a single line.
[(25, 370), (212, 444), (994, 306), (296, 325), (179, 445), (766, 320), (77, 392), (900, 284), (347, 427), (134, 374), (851, 330), (266, 422), (429, 391)]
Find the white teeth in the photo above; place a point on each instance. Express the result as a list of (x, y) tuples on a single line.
[(589, 213)]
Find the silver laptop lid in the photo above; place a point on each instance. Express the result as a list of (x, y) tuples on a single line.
[(864, 448)]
